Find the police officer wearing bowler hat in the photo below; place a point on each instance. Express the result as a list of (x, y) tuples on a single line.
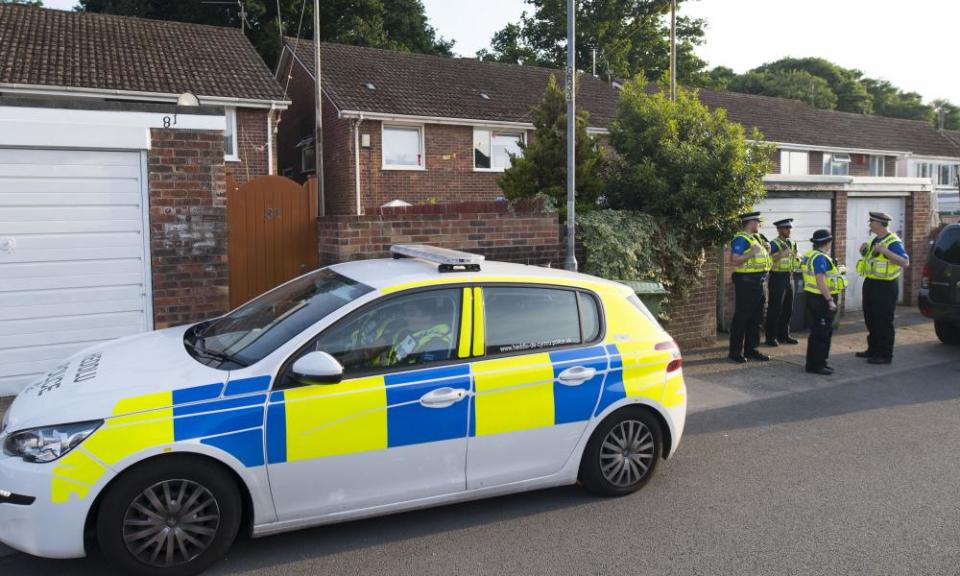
[(823, 284), (786, 261), (750, 253), (884, 259)]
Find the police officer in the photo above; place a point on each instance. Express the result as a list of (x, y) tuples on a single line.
[(884, 259), (786, 261), (823, 284), (751, 262)]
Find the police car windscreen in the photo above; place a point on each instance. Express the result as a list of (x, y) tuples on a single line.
[(259, 327)]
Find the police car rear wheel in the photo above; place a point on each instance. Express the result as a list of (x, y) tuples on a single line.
[(622, 453), (174, 516)]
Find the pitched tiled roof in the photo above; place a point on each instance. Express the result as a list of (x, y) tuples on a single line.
[(82, 50), (421, 85), (794, 122), (953, 136)]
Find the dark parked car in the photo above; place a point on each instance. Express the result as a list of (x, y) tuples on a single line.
[(940, 286)]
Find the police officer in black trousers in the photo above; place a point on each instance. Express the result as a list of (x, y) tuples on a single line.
[(883, 262), (751, 261), (786, 261), (823, 284)]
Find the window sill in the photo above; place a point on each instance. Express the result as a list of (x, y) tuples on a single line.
[(405, 168), (494, 170), (231, 158)]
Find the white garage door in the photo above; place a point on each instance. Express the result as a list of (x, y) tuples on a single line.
[(809, 214), (858, 232), (72, 265)]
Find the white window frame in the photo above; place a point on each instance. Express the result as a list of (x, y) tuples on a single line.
[(830, 160), (790, 158), (421, 128), (230, 115), (490, 131), (883, 165)]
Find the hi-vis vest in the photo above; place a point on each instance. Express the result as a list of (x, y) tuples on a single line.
[(836, 282), (760, 263), (875, 266), (789, 263)]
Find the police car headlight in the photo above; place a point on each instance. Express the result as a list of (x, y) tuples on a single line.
[(48, 443)]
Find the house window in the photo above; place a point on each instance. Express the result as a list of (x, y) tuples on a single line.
[(948, 175), (492, 149), (877, 167), (836, 164), (308, 159), (924, 170), (230, 136), (796, 163), (403, 147)]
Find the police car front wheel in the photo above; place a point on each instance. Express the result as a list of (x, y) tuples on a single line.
[(173, 516), (622, 453)]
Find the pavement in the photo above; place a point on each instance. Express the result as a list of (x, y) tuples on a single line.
[(779, 472)]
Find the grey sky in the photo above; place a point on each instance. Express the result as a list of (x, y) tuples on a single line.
[(910, 44)]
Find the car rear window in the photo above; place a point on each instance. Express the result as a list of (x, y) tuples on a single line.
[(520, 319), (947, 247)]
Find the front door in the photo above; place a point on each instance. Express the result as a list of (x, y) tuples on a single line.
[(537, 385), (394, 429)]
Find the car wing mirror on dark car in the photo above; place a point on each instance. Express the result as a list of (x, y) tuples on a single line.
[(317, 368)]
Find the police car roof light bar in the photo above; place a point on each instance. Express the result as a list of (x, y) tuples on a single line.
[(447, 259)]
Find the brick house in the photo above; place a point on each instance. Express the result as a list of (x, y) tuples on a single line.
[(112, 197), (411, 127), (421, 129)]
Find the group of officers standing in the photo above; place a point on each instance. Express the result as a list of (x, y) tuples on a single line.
[(758, 261)]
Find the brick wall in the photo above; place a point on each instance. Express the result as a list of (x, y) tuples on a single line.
[(890, 166), (524, 234), (338, 168), (839, 228), (917, 226), (816, 163), (448, 175), (775, 161), (693, 320), (859, 165), (251, 146), (188, 226)]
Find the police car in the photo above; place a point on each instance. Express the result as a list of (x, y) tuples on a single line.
[(357, 390)]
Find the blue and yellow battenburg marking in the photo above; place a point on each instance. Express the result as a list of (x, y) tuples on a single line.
[(509, 394), (229, 417)]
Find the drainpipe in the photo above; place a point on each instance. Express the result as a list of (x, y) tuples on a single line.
[(356, 161), (270, 139)]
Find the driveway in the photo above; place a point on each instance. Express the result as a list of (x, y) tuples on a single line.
[(780, 472)]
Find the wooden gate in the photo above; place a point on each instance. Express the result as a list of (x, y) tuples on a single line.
[(273, 234)]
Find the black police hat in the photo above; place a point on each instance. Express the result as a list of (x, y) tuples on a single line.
[(785, 223), (821, 236), (880, 217), (744, 218)]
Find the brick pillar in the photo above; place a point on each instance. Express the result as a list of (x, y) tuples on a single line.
[(916, 238), (188, 226), (839, 226)]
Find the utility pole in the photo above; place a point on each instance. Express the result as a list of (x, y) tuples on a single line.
[(570, 262), (318, 142), (594, 61), (673, 50)]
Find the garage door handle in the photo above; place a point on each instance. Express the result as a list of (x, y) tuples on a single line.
[(576, 375), (442, 397)]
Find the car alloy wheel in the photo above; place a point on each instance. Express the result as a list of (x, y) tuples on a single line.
[(171, 522), (627, 453)]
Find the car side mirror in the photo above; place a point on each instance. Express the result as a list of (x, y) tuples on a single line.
[(317, 368)]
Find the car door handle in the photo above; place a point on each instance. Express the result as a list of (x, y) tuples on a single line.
[(442, 397), (576, 375)]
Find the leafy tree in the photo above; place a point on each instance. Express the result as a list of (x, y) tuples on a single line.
[(950, 114), (888, 100), (850, 95), (542, 168), (718, 78), (37, 3), (794, 84), (392, 24), (630, 36), (684, 164)]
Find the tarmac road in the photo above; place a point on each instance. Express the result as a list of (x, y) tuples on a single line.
[(778, 473)]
